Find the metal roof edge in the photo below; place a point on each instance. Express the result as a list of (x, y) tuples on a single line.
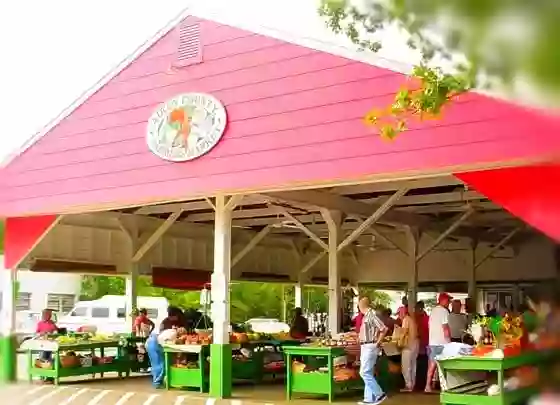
[(95, 88)]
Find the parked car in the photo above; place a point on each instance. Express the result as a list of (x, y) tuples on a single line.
[(267, 325), (108, 314)]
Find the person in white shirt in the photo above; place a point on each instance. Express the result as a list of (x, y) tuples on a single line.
[(439, 335), (457, 322)]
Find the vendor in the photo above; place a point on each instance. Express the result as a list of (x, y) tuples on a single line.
[(143, 326), (457, 322), (387, 319), (300, 326), (167, 332), (46, 326)]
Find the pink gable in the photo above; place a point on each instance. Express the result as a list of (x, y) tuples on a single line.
[(295, 118)]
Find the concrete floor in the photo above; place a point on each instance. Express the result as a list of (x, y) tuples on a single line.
[(138, 391)]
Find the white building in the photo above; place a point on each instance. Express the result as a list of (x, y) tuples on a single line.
[(37, 291)]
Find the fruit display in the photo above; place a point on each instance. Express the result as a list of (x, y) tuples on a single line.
[(78, 339), (348, 339), (342, 372)]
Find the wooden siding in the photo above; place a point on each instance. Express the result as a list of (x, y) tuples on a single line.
[(295, 118)]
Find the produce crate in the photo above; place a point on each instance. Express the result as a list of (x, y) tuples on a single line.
[(317, 382), (185, 377)]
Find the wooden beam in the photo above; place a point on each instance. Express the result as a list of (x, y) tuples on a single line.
[(302, 227), (497, 247), (446, 233), (380, 187), (313, 261), (252, 243), (373, 218), (156, 236), (167, 208), (348, 206)]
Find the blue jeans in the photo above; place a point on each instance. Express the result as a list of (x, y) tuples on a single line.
[(368, 358), (157, 358)]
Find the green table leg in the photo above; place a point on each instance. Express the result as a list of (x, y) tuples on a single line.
[(288, 377), (331, 378), (56, 360), (30, 366), (102, 352), (166, 364)]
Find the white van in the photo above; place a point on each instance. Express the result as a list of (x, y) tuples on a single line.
[(108, 314)]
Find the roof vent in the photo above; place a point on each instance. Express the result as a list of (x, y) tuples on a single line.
[(189, 50)]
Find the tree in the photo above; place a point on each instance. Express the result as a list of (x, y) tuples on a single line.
[(376, 297), (486, 43)]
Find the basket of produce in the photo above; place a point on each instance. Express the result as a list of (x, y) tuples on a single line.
[(45, 364), (69, 361), (345, 374), (106, 360), (86, 361), (298, 367)]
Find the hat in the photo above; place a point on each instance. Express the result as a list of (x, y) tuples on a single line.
[(443, 296)]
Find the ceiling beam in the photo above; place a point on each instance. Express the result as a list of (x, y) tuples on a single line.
[(380, 187), (348, 206)]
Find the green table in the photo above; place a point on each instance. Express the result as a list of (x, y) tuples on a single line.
[(187, 378), (34, 347), (130, 343), (316, 382), (499, 366)]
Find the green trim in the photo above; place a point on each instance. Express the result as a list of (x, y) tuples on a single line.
[(8, 360), (220, 371)]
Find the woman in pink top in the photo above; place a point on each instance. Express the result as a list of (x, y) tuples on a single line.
[(46, 326)]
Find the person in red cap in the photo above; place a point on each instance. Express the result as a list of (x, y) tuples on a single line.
[(439, 335)]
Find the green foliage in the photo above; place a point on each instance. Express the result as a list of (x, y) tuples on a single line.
[(378, 298), (500, 41), (247, 300)]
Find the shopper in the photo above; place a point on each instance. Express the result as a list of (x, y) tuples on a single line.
[(167, 332), (457, 322), (423, 325), (372, 332), (439, 336), (408, 342), (358, 319), (143, 326), (300, 325), (404, 304)]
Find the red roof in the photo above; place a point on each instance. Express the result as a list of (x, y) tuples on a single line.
[(295, 118)]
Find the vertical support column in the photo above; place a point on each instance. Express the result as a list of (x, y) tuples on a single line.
[(8, 360), (128, 268), (334, 220), (472, 290), (412, 241), (131, 292), (220, 350), (298, 296)]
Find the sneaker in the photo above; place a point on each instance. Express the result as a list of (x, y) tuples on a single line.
[(366, 403), (380, 399)]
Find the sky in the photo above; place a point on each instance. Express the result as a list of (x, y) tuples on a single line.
[(54, 51)]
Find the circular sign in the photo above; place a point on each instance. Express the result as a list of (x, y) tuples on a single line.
[(186, 127)]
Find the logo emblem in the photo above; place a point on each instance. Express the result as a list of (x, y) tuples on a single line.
[(186, 127)]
